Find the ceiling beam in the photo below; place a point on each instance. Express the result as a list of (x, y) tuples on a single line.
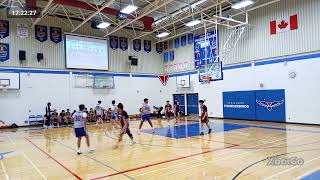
[(146, 10), (106, 4), (43, 12)]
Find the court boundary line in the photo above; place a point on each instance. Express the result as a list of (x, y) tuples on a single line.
[(51, 157), (161, 162), (4, 170), (34, 166)]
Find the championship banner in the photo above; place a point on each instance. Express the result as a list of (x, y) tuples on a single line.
[(165, 56), (183, 40), (137, 45), (190, 38), (165, 45), (123, 43), (177, 43), (41, 33), (171, 55), (4, 29), (55, 34), (4, 52), (159, 48), (147, 46), (114, 41), (22, 30)]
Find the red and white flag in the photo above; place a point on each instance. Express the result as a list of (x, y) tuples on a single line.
[(284, 25)]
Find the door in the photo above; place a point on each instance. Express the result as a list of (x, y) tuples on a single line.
[(180, 99), (192, 104)]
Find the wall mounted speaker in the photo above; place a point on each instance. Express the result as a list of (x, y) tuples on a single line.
[(39, 57), (134, 60), (22, 55)]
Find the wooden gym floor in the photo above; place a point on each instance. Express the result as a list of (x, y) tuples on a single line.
[(235, 150)]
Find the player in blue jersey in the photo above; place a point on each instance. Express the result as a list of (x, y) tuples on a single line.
[(79, 120), (145, 111)]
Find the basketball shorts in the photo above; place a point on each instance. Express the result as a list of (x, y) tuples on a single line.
[(80, 132), (145, 117), (204, 120), (168, 114), (114, 116)]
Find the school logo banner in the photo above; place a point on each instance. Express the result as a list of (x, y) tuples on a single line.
[(159, 48), (165, 45), (183, 40), (177, 43), (4, 52), (165, 56), (22, 30), (123, 43), (114, 40), (41, 33), (137, 45), (4, 29), (147, 46), (190, 38), (55, 34)]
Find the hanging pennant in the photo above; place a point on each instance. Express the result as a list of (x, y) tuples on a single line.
[(22, 30), (147, 46), (4, 52), (170, 44), (165, 57), (177, 43), (55, 34), (171, 55), (165, 45), (41, 33), (190, 38), (137, 45), (4, 29), (114, 41), (123, 43), (183, 40), (159, 48)]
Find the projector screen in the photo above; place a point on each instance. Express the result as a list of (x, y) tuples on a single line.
[(86, 53)]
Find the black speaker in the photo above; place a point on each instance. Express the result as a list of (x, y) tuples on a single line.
[(22, 55), (40, 56), (134, 60)]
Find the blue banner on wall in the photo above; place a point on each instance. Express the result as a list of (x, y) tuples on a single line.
[(270, 105), (171, 55), (137, 45), (123, 43), (183, 40), (177, 43), (165, 56), (159, 48), (4, 29), (147, 46), (55, 34), (190, 38), (239, 105), (4, 52), (206, 49), (114, 42), (41, 33)]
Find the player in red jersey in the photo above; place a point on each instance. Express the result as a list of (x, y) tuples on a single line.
[(204, 117), (176, 111), (168, 111), (124, 123)]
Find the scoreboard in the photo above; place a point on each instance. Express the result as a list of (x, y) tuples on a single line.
[(206, 49)]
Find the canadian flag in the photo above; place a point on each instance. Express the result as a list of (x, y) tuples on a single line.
[(284, 25)]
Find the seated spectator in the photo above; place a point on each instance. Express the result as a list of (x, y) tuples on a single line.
[(157, 111), (68, 117), (108, 114), (55, 120), (62, 116)]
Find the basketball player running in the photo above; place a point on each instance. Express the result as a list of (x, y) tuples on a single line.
[(145, 111), (204, 117), (176, 108), (114, 116), (80, 119), (168, 111), (124, 123), (99, 112)]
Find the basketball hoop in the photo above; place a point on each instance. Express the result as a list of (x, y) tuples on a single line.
[(206, 79), (182, 83)]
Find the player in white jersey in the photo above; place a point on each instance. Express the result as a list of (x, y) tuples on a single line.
[(99, 112), (145, 111), (80, 119), (114, 112)]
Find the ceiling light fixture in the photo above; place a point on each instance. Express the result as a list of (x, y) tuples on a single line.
[(129, 9), (163, 34), (242, 4)]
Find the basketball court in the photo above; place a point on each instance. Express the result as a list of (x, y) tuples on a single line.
[(163, 89)]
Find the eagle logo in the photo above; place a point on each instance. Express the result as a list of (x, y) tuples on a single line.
[(270, 105)]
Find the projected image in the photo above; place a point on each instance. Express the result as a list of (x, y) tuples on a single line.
[(86, 53)]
